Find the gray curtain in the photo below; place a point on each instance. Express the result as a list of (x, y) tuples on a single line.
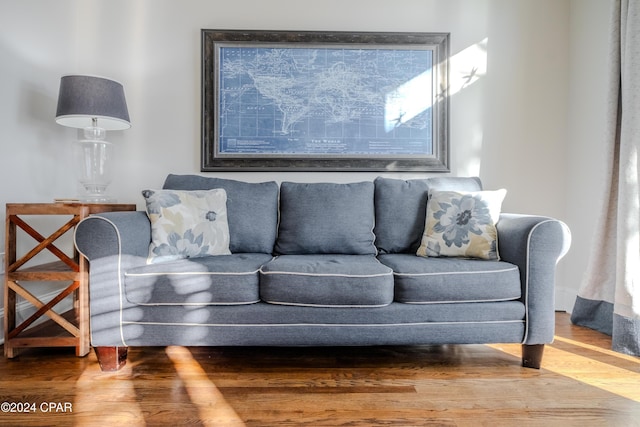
[(609, 297)]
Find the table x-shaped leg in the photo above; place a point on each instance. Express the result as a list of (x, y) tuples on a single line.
[(69, 271)]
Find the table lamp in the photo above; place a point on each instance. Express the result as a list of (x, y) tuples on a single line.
[(95, 104)]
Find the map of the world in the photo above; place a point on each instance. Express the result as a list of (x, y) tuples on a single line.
[(278, 101)]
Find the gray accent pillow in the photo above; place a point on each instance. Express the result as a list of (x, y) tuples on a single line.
[(326, 218), (252, 209)]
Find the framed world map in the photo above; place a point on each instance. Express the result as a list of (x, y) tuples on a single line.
[(324, 101)]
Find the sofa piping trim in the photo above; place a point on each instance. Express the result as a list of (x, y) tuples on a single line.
[(192, 273), (457, 272), (193, 304), (459, 302), (526, 285), (322, 325), (327, 305), (119, 269), (293, 273)]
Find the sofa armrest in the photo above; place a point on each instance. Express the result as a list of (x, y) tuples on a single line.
[(112, 242), (113, 233), (535, 244)]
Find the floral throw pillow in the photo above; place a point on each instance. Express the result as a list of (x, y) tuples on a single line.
[(187, 224), (462, 224)]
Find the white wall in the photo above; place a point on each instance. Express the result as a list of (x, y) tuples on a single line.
[(510, 126), (586, 121)]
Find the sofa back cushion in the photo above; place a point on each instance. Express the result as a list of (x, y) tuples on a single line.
[(252, 209), (400, 209), (400, 213), (326, 218)]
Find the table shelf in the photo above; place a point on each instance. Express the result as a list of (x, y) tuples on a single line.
[(52, 271)]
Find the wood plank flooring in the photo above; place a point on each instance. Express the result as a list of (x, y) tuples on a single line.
[(582, 383)]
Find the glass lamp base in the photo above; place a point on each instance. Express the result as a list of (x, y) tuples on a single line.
[(94, 166), (95, 193)]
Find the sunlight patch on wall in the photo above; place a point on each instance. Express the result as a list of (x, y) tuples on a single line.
[(407, 101), (468, 66)]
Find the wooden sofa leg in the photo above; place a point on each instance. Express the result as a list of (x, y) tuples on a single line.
[(532, 355), (111, 359)]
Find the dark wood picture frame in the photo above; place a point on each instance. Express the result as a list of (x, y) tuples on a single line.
[(274, 86)]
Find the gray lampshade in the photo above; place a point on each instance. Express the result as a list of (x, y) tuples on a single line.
[(83, 98)]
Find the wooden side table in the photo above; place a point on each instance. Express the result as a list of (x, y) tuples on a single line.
[(74, 331)]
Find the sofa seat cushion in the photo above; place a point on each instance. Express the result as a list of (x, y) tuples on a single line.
[(216, 280), (326, 281), (421, 280)]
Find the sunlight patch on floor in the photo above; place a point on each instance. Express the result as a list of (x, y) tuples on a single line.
[(212, 406), (591, 347), (107, 399), (584, 369)]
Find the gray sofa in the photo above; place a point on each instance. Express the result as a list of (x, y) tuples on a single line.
[(320, 265)]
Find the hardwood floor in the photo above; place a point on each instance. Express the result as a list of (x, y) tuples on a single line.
[(581, 383)]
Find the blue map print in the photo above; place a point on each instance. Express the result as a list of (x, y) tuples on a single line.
[(351, 101)]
